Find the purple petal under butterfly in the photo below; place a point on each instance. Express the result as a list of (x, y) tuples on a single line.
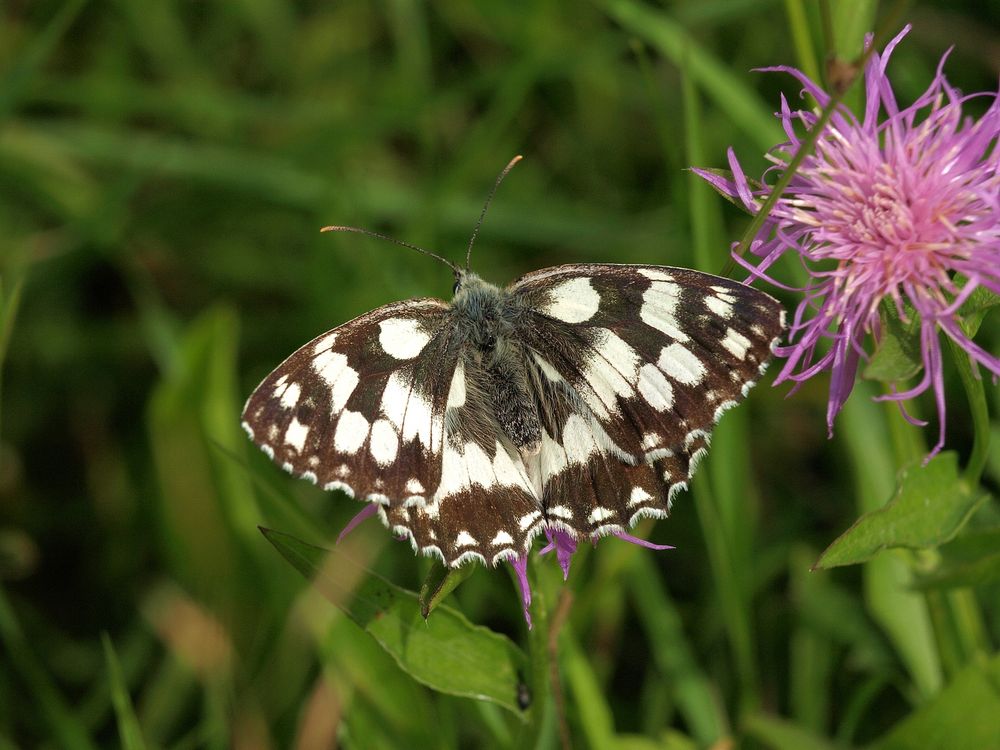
[(368, 511), (563, 544)]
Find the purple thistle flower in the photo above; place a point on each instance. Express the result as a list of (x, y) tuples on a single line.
[(898, 206)]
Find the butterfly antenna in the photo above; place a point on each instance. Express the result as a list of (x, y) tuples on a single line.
[(475, 232), (394, 241)]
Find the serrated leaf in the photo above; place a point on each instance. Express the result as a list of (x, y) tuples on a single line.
[(930, 506), (446, 652), (440, 582), (898, 354), (963, 716)]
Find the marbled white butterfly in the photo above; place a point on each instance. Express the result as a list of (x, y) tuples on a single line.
[(580, 397)]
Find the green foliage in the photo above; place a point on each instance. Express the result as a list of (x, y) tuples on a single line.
[(445, 651), (963, 716), (440, 582), (164, 171), (929, 508), (128, 724), (898, 355)]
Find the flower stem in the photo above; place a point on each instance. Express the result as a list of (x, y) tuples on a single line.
[(976, 395), (539, 722), (807, 144)]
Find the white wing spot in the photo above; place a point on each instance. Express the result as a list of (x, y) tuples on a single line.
[(549, 371), (614, 372), (291, 396), (414, 487), (655, 388), (527, 519), (599, 514), (351, 432), (420, 422), (502, 538), (402, 338), (333, 369), (719, 307), (456, 393), (325, 343), (638, 496), (295, 435), (465, 539), (384, 442), (655, 274), (681, 365), (395, 396), (659, 303), (578, 440), (735, 343), (650, 440), (561, 511), (573, 301)]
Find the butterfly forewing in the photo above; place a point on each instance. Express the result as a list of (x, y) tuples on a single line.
[(655, 355), (361, 407)]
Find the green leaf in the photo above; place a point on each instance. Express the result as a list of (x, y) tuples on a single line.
[(782, 734), (929, 507), (975, 308), (980, 572), (963, 716), (65, 728), (128, 725), (446, 652), (973, 559), (898, 354), (586, 696), (440, 582)]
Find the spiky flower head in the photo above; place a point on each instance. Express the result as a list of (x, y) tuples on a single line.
[(898, 207)]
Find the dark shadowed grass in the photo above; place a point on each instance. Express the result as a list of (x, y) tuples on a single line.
[(164, 172)]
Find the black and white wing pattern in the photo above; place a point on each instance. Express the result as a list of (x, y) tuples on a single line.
[(372, 408), (580, 397), (635, 364), (359, 408)]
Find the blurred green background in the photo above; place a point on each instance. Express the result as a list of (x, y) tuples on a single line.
[(165, 167)]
